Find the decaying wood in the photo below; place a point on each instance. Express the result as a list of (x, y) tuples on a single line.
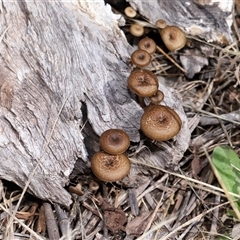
[(58, 58), (208, 19)]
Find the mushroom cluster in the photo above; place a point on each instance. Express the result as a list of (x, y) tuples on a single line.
[(173, 37), (111, 164), (158, 122)]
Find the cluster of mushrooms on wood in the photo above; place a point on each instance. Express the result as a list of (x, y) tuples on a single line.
[(158, 122)]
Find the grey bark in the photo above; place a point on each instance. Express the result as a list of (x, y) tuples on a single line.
[(207, 19)]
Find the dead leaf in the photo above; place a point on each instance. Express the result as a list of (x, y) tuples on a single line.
[(138, 225), (114, 218), (193, 62)]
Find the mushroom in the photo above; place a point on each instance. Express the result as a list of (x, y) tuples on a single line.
[(143, 82), (114, 141), (110, 168), (93, 186), (76, 189), (147, 44), (160, 123), (160, 23), (157, 98), (141, 58), (173, 37), (130, 12), (136, 30)]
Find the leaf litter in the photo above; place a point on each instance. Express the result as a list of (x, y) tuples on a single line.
[(187, 203)]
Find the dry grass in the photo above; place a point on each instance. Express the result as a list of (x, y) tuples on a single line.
[(188, 204)]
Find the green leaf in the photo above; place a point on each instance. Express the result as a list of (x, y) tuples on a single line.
[(223, 238), (226, 167)]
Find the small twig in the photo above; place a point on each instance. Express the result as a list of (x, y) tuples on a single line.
[(214, 46), (222, 77), (170, 59), (221, 123), (105, 230), (193, 220), (133, 201), (41, 222), (155, 210), (156, 227), (52, 227), (215, 215), (233, 117), (235, 24), (91, 209), (184, 177), (62, 219), (33, 233)]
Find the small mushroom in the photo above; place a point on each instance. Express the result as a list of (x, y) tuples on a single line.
[(136, 30), (147, 44), (157, 98), (160, 123), (110, 168), (93, 186), (143, 82), (76, 189), (114, 141), (173, 37), (130, 12), (160, 23), (141, 58)]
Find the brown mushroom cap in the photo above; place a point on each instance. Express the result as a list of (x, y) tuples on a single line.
[(157, 98), (143, 82), (141, 58), (114, 141), (147, 44), (93, 186), (136, 30), (160, 123), (173, 37), (160, 23), (130, 12), (110, 168)]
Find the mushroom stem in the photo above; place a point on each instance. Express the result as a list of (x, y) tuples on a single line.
[(141, 101), (170, 59)]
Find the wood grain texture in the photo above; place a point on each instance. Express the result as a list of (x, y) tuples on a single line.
[(64, 54), (207, 19)]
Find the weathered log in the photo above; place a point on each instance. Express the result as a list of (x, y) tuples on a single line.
[(207, 19), (61, 61), (53, 55)]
